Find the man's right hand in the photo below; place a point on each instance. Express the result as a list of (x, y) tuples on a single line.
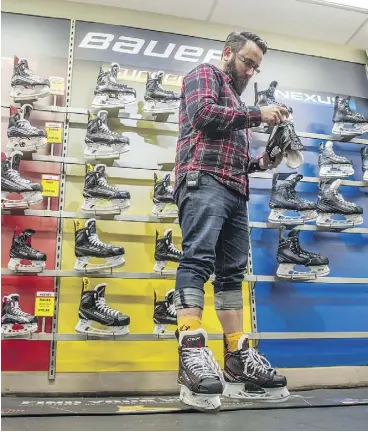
[(274, 115)]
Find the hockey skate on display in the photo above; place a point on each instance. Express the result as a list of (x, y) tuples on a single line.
[(165, 251), (249, 376), (96, 317), (331, 205), (109, 92), (267, 97), (364, 153), (284, 140), (101, 142), (99, 197), (23, 258), (164, 314), (25, 84), (21, 134), (199, 377), (13, 183), (163, 200), (347, 121), (285, 200), (291, 255), (157, 99), (88, 246), (331, 165), (15, 322)]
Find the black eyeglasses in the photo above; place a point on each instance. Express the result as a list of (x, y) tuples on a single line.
[(248, 63)]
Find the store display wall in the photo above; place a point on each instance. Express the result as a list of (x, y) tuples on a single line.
[(306, 83)]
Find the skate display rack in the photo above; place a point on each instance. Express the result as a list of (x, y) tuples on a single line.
[(77, 118)]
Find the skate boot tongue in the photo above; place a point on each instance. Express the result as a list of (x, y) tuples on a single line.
[(101, 169), (103, 116), (14, 297), (243, 343), (26, 111), (91, 226), (28, 233), (100, 289), (168, 235), (293, 234), (15, 158), (329, 145), (193, 339), (335, 185)]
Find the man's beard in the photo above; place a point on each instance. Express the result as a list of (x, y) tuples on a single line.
[(239, 84)]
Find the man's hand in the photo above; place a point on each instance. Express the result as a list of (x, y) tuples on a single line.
[(266, 163), (274, 115)]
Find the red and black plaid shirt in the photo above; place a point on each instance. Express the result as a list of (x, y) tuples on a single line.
[(213, 134)]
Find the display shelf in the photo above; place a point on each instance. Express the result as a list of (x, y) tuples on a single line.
[(158, 119), (138, 275), (154, 219), (214, 336)]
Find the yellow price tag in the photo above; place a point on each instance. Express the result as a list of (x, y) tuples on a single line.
[(44, 304), (57, 86), (50, 185), (54, 132)]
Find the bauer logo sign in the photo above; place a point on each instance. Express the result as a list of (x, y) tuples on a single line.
[(143, 48)]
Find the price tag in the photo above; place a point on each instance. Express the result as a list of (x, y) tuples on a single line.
[(50, 185), (57, 86), (44, 304), (54, 132)]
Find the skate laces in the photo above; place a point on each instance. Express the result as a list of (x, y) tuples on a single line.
[(103, 182), (16, 310), (200, 362), (14, 175), (106, 129), (25, 124), (255, 362), (171, 247), (341, 199), (95, 241), (104, 307), (171, 309)]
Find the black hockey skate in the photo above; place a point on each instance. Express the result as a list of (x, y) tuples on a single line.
[(163, 200), (331, 206), (15, 322), (331, 165), (13, 183), (165, 251), (96, 317), (26, 85), (88, 245), (346, 121), (23, 258), (21, 134), (109, 92), (99, 197), (290, 255), (283, 140), (157, 99), (267, 97), (164, 314), (249, 376), (199, 374), (101, 142), (284, 200), (364, 153)]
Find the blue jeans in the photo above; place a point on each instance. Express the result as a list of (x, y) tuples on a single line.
[(214, 225)]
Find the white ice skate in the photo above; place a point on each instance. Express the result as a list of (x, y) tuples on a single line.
[(107, 101), (15, 322), (161, 107), (280, 216)]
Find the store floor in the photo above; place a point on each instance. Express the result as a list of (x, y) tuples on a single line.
[(301, 419)]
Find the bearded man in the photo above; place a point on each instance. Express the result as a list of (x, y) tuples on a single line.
[(211, 191)]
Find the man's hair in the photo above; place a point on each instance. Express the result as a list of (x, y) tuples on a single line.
[(236, 41)]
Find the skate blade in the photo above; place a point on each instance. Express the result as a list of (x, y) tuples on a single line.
[(101, 212), (161, 331), (85, 266), (283, 219), (287, 271), (339, 223), (24, 268), (96, 158), (365, 176), (86, 327), (203, 403), (236, 391), (8, 332), (160, 268)]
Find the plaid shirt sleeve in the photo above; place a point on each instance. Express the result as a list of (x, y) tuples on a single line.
[(201, 90)]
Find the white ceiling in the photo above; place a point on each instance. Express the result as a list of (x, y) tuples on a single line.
[(307, 19)]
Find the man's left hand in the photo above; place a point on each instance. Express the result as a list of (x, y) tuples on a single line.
[(266, 163)]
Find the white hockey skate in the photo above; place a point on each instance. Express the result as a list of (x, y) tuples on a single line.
[(157, 99), (15, 322), (332, 165), (348, 122), (97, 152)]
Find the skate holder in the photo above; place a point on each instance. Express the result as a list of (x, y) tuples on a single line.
[(158, 117), (112, 112), (21, 101)]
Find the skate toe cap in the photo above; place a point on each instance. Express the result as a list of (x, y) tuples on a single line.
[(279, 380), (117, 251), (210, 386)]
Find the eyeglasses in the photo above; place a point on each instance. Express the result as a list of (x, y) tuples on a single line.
[(248, 63)]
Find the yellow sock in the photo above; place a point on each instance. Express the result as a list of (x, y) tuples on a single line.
[(189, 323), (231, 340)]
